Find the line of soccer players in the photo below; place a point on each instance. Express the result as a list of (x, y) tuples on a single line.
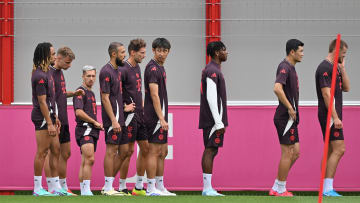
[(126, 118)]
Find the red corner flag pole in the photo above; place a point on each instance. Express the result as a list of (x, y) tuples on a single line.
[(330, 108)]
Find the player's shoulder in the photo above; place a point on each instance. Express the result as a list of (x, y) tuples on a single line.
[(38, 74)]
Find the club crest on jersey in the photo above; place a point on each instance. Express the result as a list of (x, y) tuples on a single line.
[(325, 74), (41, 81), (336, 134), (153, 68), (213, 75), (292, 137), (161, 136), (107, 79), (86, 138), (114, 137)]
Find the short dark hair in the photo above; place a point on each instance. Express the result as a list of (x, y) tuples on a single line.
[(161, 43), (113, 47), (333, 44), (293, 44), (42, 56), (136, 45), (213, 47)]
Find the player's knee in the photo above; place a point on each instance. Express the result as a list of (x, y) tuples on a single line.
[(130, 152), (89, 160), (65, 155), (296, 155), (42, 153), (340, 151), (163, 154)]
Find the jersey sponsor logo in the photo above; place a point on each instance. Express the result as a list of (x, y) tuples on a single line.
[(41, 81), (325, 74), (153, 68), (283, 71), (213, 75)]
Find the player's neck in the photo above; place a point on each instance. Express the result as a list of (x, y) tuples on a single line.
[(217, 61), (56, 66), (86, 87), (291, 60), (113, 63), (159, 63), (330, 58), (132, 62)]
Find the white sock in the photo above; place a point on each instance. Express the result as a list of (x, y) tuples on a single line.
[(50, 184), (63, 184), (281, 186), (207, 181), (275, 186), (122, 184), (151, 185), (160, 183), (37, 183), (139, 182), (56, 183), (81, 188), (108, 183), (328, 184), (86, 186)]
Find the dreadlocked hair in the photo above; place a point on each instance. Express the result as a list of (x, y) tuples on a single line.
[(42, 56)]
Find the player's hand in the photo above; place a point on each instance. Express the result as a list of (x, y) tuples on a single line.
[(79, 92), (98, 125), (51, 130), (337, 123), (292, 114), (58, 125), (116, 127), (164, 125), (129, 107), (221, 131), (342, 66)]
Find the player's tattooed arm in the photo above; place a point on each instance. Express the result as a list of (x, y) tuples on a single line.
[(279, 91)]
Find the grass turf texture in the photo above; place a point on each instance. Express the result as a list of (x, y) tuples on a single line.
[(184, 197), (178, 199)]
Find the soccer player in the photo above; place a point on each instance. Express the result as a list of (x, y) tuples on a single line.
[(134, 124), (213, 111), (63, 61), (286, 118), (323, 85), (156, 117), (113, 114), (43, 116), (87, 128)]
